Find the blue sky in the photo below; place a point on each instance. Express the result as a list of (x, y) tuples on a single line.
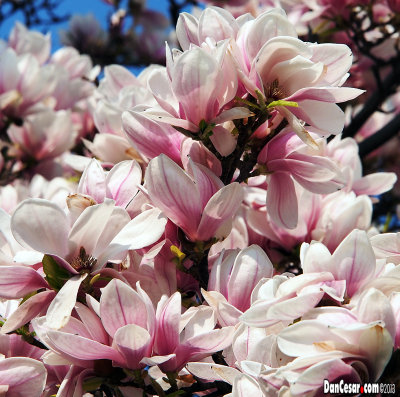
[(97, 7)]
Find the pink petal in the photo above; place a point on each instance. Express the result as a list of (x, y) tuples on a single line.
[(355, 261), (61, 307), (159, 84), (121, 305), (199, 154), (267, 26), (168, 318), (386, 245), (186, 30), (325, 94), (194, 79), (215, 340), (251, 265), (25, 376), (116, 78), (150, 137), (41, 225), (133, 343), (244, 386), (92, 323), (282, 200), (18, 281), (140, 232), (211, 371), (206, 182), (313, 377), (373, 184), (323, 115), (222, 206), (216, 23), (336, 57), (93, 181), (28, 310), (223, 140), (82, 348), (122, 182), (312, 168), (171, 190)]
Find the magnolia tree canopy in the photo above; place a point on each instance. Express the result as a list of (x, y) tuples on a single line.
[(205, 227)]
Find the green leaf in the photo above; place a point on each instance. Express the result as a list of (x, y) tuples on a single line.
[(55, 274)]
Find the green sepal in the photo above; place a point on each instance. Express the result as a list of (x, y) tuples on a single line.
[(26, 297), (92, 384), (55, 274)]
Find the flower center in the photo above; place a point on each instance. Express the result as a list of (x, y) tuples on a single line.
[(83, 262), (273, 91)]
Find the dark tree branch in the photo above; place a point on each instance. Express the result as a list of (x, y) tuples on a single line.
[(387, 132), (35, 12), (374, 102)]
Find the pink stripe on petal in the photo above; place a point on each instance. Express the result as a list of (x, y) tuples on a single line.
[(282, 200)]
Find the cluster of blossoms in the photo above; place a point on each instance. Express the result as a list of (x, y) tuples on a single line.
[(215, 240)]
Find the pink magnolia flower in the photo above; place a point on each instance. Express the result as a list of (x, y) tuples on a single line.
[(285, 164), (345, 154), (271, 59), (186, 337), (44, 135), (120, 183), (340, 213), (259, 219), (332, 333), (353, 261), (285, 297), (21, 371), (101, 229), (195, 201), (119, 328), (77, 65), (24, 41), (232, 280), (21, 92), (120, 90), (100, 234), (214, 22), (196, 90)]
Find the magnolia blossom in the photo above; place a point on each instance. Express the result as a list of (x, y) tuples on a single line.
[(25, 41), (127, 318), (195, 201), (186, 337), (220, 242), (21, 92), (232, 279), (44, 135), (120, 183), (285, 164), (100, 234)]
